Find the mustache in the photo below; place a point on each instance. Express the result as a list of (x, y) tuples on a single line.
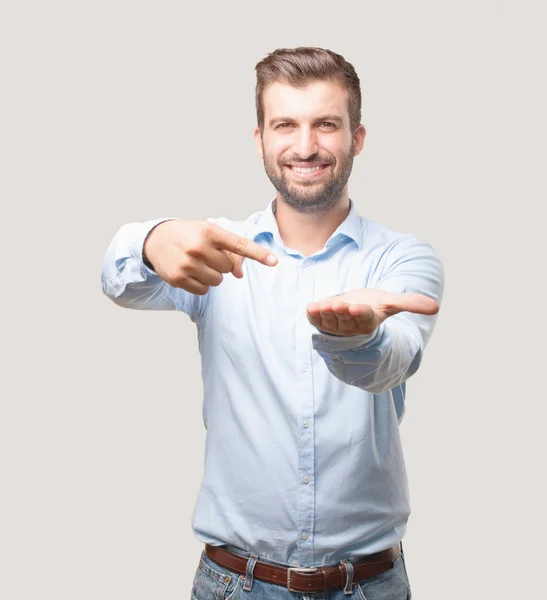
[(314, 158)]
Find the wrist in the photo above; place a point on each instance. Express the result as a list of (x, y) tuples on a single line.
[(145, 258), (146, 246)]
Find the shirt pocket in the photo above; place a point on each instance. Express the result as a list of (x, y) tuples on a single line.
[(214, 582)]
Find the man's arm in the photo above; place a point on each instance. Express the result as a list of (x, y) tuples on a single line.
[(391, 349), (187, 256)]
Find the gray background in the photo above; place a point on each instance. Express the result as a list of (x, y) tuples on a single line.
[(125, 111)]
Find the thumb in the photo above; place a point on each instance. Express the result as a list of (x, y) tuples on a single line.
[(237, 270)]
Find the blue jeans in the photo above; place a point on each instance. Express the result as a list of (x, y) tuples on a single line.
[(214, 582)]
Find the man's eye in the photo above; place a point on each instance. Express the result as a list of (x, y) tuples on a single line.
[(328, 125), (284, 126)]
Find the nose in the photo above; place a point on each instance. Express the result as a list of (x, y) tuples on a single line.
[(305, 144)]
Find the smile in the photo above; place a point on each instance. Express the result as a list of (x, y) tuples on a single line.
[(307, 172)]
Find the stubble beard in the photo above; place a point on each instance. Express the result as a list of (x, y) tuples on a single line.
[(309, 197)]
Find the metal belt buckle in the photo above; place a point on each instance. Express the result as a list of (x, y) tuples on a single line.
[(303, 569)]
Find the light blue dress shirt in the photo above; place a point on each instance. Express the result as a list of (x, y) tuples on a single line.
[(303, 459)]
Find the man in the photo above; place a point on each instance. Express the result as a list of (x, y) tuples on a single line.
[(311, 319)]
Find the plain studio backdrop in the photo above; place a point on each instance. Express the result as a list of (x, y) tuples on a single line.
[(118, 111)]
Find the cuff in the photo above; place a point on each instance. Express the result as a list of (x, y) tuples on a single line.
[(326, 342), (138, 247)]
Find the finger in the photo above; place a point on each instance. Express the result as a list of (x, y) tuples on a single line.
[(412, 302), (355, 318), (208, 276), (341, 310), (315, 320), (242, 246), (348, 327), (194, 286), (312, 312), (328, 317), (237, 269), (313, 308), (220, 260), (361, 312)]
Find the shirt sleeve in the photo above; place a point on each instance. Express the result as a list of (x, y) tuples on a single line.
[(387, 357), (128, 282)]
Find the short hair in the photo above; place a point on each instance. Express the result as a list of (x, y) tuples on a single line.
[(304, 65)]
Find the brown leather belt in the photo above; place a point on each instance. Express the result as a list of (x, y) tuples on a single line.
[(301, 579)]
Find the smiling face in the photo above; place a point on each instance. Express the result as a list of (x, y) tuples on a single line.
[(307, 143)]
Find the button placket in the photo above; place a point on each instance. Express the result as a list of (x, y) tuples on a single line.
[(305, 403)]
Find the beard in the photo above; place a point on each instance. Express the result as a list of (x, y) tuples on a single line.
[(313, 196)]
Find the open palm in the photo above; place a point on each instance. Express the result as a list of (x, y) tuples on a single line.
[(361, 311)]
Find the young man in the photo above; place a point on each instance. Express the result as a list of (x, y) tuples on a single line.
[(311, 319)]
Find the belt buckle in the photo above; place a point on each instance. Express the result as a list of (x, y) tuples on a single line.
[(303, 569)]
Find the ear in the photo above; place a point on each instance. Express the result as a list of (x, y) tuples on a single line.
[(359, 139), (258, 141)]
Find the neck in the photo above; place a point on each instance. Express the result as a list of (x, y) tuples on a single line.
[(309, 232)]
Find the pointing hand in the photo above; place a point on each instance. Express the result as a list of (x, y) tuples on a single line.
[(193, 255)]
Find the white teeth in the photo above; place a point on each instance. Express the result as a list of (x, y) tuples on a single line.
[(306, 170)]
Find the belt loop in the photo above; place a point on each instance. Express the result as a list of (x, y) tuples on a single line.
[(325, 582), (249, 572), (348, 589)]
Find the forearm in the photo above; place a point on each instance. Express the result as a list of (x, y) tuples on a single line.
[(393, 354)]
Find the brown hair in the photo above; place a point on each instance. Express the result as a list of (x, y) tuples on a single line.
[(301, 66)]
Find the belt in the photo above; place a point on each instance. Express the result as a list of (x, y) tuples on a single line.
[(302, 579)]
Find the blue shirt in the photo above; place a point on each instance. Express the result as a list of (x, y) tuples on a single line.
[(303, 459)]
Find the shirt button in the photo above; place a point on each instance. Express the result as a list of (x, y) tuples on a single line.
[(304, 368), (306, 479), (306, 424), (304, 535)]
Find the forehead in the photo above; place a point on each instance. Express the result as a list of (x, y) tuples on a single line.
[(317, 98)]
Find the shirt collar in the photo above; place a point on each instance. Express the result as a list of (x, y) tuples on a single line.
[(350, 226)]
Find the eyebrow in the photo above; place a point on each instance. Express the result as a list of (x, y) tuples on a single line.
[(275, 120)]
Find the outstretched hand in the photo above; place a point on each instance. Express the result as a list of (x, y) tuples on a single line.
[(362, 311)]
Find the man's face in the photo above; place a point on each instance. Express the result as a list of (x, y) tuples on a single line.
[(307, 143)]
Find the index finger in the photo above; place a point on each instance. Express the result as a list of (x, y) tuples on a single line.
[(227, 240)]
